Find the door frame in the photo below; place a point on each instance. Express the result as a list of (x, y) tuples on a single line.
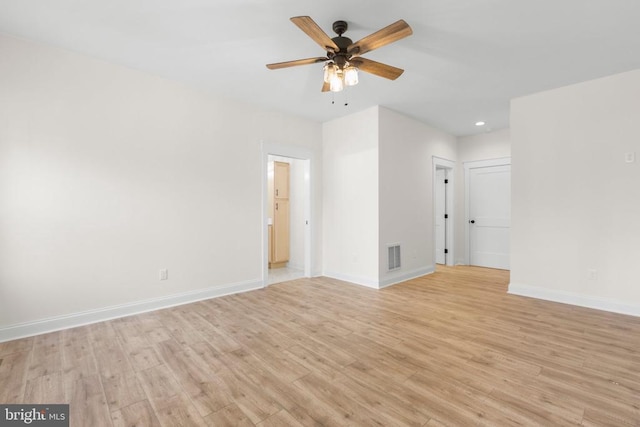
[(449, 167), (476, 164), (294, 152)]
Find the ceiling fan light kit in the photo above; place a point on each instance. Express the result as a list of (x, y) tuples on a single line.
[(343, 59), (338, 78)]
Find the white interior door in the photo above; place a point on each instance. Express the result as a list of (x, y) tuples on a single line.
[(440, 211), (490, 216)]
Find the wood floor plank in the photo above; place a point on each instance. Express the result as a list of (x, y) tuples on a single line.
[(46, 356), (314, 362), (391, 409), (13, 376), (278, 361), (229, 416), (142, 358), (46, 389), (542, 413), (16, 346), (247, 394), (206, 390), (158, 383), (139, 414), (153, 328), (111, 358), (179, 327), (178, 411), (300, 404), (122, 389), (103, 334), (600, 418), (209, 355), (451, 403), (448, 349), (87, 403), (78, 360), (337, 403), (281, 419)]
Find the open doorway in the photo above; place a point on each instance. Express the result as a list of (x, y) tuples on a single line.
[(443, 219), (286, 218), (286, 213)]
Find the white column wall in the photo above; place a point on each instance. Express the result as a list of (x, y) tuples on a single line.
[(350, 203)]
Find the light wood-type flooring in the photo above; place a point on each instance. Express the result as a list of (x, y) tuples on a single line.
[(448, 349)]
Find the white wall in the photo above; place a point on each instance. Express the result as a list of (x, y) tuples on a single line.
[(377, 190), (109, 174), (484, 146), (350, 202), (576, 203), (298, 217), (406, 151)]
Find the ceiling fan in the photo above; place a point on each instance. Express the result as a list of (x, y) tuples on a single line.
[(344, 58)]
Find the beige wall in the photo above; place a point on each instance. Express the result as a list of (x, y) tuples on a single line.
[(575, 201), (108, 175)]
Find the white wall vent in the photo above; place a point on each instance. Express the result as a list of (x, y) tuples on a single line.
[(394, 256)]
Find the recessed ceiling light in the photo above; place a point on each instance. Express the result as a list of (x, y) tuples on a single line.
[(480, 123)]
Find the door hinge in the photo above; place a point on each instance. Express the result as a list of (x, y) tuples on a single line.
[(446, 216), (446, 181), (446, 251)]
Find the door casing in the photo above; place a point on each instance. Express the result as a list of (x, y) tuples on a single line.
[(294, 152), (449, 167)]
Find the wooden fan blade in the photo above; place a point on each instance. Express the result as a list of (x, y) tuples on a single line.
[(392, 33), (326, 87), (308, 25), (295, 63), (377, 68)]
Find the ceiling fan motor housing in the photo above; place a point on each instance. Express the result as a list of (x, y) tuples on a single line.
[(342, 55), (340, 27)]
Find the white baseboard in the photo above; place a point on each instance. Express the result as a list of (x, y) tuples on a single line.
[(57, 323), (362, 281), (574, 299), (393, 278)]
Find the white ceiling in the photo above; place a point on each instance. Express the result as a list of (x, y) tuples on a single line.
[(465, 60)]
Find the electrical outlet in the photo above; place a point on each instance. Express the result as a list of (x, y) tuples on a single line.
[(630, 157), (592, 274), (164, 274)]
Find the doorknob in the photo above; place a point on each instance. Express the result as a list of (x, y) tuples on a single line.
[(473, 221)]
